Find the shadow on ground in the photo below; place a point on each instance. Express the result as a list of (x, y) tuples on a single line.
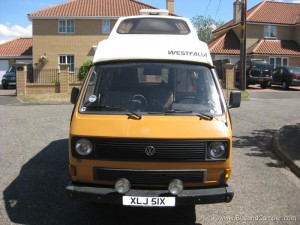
[(260, 145), (37, 196)]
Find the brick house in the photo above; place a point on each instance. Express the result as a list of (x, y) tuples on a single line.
[(273, 34), (68, 33), (17, 50)]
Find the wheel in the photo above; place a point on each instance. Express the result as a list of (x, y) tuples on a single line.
[(285, 86), (264, 85), (138, 101)]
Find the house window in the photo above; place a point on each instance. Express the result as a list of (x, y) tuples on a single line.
[(270, 31), (105, 27), (66, 26), (67, 59), (278, 62)]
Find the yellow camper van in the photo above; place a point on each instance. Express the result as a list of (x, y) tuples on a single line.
[(150, 126)]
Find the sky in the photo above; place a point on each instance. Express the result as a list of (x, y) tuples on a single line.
[(14, 22)]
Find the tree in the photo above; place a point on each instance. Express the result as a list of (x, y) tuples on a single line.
[(205, 26), (83, 70)]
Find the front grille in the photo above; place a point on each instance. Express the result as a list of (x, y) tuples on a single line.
[(164, 150), (149, 177)]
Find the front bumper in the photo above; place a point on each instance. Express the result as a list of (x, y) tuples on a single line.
[(260, 79), (8, 82), (186, 197)]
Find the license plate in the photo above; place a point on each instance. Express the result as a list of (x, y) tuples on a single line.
[(261, 79), (149, 201)]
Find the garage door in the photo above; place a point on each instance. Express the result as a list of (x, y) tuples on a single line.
[(24, 61), (3, 67)]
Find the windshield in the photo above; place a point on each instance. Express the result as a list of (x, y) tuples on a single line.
[(151, 88), (12, 69), (261, 65), (295, 70), (153, 26)]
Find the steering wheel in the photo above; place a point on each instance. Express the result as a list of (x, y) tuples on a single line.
[(187, 99), (138, 101)]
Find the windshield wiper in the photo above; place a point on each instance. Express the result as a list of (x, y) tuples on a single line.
[(134, 115), (201, 115), (204, 116), (111, 107)]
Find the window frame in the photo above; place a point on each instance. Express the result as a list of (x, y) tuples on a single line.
[(284, 61), (268, 30), (106, 27), (72, 64), (66, 26)]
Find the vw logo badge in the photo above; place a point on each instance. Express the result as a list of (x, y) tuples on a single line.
[(150, 150)]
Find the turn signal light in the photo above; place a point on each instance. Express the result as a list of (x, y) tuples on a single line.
[(72, 170)]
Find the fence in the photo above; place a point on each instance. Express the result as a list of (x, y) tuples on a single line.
[(61, 80), (41, 81)]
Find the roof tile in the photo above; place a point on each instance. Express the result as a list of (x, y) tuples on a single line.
[(226, 44), (269, 12), (275, 47), (276, 12), (17, 47), (93, 8)]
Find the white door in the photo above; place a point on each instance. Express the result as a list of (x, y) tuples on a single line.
[(3, 67)]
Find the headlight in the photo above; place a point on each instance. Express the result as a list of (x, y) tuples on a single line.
[(122, 186), (216, 150), (84, 146), (175, 187)]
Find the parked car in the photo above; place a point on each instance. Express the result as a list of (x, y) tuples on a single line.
[(286, 76), (9, 78), (258, 71)]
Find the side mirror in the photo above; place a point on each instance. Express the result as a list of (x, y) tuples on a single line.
[(74, 95), (235, 99)]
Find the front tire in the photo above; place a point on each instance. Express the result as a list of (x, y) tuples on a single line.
[(264, 85), (285, 86)]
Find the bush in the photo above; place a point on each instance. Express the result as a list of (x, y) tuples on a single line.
[(83, 70)]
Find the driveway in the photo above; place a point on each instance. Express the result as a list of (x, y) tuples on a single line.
[(8, 96)]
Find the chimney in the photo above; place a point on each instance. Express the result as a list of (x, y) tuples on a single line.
[(237, 9), (170, 5)]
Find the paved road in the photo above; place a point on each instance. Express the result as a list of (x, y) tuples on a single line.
[(34, 158)]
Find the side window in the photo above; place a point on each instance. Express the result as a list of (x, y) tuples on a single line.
[(66, 26), (270, 31), (284, 62), (278, 62), (272, 63), (67, 59), (285, 71), (105, 27)]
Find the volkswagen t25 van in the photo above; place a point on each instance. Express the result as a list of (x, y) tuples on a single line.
[(150, 125)]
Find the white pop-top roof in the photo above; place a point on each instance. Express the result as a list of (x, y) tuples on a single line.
[(121, 46)]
